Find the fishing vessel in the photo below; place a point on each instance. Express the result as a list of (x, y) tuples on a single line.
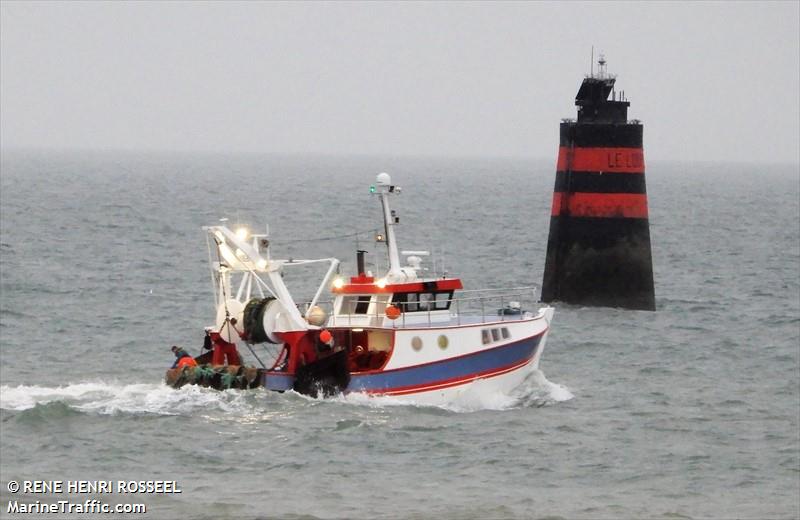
[(407, 333)]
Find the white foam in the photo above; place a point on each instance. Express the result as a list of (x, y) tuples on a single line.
[(474, 399), (372, 401), (534, 390), (471, 399), (559, 392), (552, 391), (111, 398)]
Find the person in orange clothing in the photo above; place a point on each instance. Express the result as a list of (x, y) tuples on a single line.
[(182, 358), (223, 351)]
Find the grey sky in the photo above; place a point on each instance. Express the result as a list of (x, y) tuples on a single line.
[(713, 81)]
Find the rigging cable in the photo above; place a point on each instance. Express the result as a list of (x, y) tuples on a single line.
[(321, 239)]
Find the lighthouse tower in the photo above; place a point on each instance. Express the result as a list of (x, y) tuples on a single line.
[(598, 250)]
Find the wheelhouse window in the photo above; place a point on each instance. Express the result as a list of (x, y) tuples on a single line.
[(427, 301), (362, 305), (443, 300), (406, 301), (355, 304)]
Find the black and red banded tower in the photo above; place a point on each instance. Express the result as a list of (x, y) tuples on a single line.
[(598, 251)]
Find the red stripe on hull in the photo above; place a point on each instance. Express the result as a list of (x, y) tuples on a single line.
[(448, 383), (618, 160), (608, 205)]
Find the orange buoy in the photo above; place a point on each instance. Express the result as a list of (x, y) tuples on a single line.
[(392, 312), (325, 336)]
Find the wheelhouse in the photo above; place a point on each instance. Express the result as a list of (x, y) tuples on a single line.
[(366, 302)]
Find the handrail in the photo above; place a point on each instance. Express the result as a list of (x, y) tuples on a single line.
[(523, 288), (525, 295)]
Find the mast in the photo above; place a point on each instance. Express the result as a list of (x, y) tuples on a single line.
[(383, 186)]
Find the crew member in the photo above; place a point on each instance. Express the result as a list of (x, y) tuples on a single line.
[(182, 358), (358, 358), (325, 343)]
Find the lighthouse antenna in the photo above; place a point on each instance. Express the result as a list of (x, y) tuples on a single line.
[(601, 67)]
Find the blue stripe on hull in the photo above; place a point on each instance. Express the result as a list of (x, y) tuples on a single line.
[(279, 381), (449, 370), (431, 374)]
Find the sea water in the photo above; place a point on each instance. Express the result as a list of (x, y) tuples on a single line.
[(687, 412)]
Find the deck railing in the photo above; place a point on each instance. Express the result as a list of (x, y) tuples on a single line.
[(485, 304)]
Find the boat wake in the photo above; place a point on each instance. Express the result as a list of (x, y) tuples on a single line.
[(158, 399), (115, 398)]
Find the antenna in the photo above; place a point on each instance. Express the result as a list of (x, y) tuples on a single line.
[(591, 64), (601, 68)]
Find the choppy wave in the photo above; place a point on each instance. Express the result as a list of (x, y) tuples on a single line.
[(46, 412)]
